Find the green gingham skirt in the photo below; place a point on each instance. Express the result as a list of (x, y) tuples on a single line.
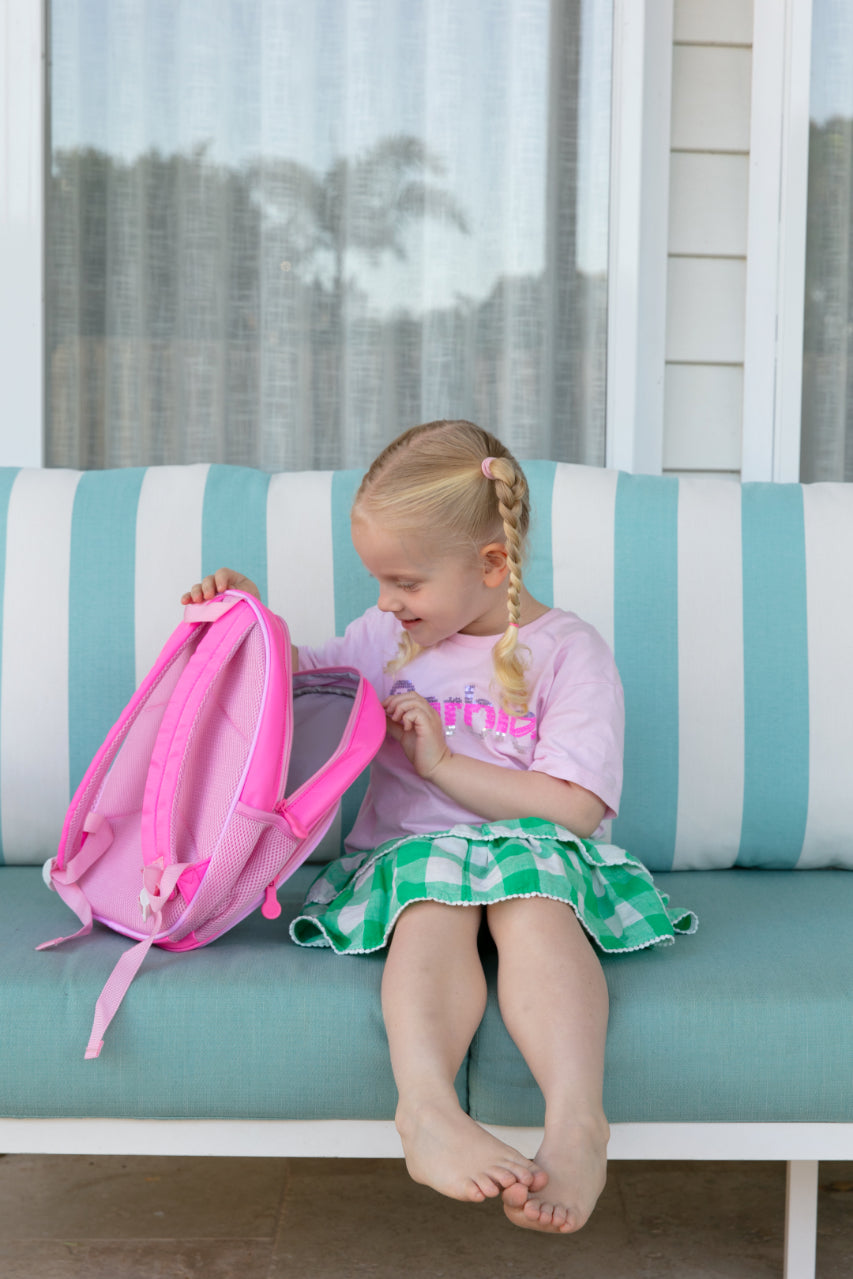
[(354, 902)]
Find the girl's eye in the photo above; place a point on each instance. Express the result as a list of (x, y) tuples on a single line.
[(407, 586)]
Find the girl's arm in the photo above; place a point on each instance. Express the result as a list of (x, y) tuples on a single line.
[(490, 790), (227, 579), (496, 792)]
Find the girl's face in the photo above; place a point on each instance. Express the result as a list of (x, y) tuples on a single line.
[(433, 595)]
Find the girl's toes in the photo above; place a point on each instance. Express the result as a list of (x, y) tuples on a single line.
[(515, 1196), (540, 1213), (526, 1174), (505, 1178), (486, 1184), (556, 1217), (560, 1217)]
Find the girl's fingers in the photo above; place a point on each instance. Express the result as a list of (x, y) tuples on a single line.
[(409, 717), (407, 703), (200, 592), (224, 579), (215, 583), (195, 595)]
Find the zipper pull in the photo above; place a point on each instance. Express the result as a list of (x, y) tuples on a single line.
[(271, 908)]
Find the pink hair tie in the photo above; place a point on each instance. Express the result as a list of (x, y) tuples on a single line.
[(486, 467), (515, 624)]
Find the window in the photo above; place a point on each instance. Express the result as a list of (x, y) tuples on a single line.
[(827, 422), (278, 234)]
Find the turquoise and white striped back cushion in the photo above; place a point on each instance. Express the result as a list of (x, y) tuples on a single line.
[(730, 611)]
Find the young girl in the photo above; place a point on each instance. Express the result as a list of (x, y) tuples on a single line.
[(503, 756)]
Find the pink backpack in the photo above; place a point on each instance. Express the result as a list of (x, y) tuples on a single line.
[(195, 810)]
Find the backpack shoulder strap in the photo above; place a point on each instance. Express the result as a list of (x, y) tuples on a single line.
[(225, 627), (230, 619)]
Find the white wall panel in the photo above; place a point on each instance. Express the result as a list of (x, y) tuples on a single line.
[(703, 415), (713, 21), (708, 236), (705, 310), (711, 98), (708, 203)]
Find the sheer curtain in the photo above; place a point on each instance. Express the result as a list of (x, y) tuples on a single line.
[(827, 421), (280, 232)]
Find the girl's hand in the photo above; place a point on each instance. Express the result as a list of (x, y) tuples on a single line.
[(493, 791), (417, 727), (224, 579)]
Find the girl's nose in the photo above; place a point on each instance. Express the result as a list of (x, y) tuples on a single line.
[(387, 602)]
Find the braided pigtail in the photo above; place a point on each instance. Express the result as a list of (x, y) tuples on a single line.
[(407, 649), (511, 493)]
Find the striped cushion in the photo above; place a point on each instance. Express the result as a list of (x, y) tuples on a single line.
[(729, 609)]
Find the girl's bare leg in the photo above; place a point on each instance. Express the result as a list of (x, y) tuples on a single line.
[(553, 998), (433, 998)]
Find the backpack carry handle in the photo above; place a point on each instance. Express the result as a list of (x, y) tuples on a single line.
[(209, 610)]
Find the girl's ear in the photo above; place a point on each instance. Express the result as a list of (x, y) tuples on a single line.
[(493, 557)]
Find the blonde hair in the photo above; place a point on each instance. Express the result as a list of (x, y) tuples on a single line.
[(432, 477)]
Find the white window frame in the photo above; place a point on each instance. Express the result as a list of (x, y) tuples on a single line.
[(639, 232), (776, 240), (642, 69), (22, 153)]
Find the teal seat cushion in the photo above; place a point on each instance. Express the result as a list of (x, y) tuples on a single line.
[(750, 1019), (251, 1026)]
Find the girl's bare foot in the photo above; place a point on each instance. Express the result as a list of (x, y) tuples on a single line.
[(450, 1152), (575, 1159)]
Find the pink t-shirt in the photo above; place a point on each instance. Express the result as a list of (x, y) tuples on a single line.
[(574, 728)]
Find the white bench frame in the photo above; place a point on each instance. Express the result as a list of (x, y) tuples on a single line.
[(800, 1146)]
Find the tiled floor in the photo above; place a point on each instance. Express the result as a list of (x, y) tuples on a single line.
[(64, 1217)]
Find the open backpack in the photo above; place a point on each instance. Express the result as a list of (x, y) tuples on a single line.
[(219, 778)]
